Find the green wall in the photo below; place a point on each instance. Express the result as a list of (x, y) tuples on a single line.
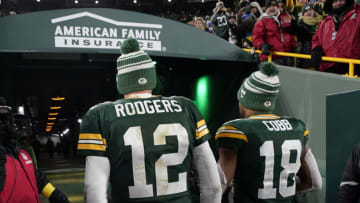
[(303, 95)]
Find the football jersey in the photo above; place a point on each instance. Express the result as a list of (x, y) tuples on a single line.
[(149, 143), (268, 148)]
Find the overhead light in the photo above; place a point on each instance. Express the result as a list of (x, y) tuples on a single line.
[(76, 1), (50, 124), (55, 107), (65, 131), (202, 1), (79, 120), (53, 114), (21, 110), (169, 0), (57, 98), (96, 2), (38, 0), (135, 1), (51, 118)]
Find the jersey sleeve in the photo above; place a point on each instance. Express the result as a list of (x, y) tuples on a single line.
[(202, 133), (306, 132), (306, 136), (91, 140), (228, 136)]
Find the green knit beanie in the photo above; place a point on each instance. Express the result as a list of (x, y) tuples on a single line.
[(135, 69), (259, 91)]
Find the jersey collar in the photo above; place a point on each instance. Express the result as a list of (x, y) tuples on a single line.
[(263, 116)]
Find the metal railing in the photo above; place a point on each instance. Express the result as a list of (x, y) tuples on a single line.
[(351, 62)]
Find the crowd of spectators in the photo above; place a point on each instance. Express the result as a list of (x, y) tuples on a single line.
[(316, 27)]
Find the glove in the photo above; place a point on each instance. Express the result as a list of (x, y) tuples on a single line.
[(265, 48), (58, 197), (316, 55)]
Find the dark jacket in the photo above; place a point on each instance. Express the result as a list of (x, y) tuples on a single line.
[(350, 183)]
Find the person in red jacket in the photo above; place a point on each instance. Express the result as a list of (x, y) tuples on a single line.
[(273, 32), (338, 35), (20, 181)]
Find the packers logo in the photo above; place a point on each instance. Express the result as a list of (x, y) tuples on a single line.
[(142, 81), (267, 103), (242, 93)]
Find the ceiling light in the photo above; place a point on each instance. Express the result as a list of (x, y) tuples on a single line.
[(169, 0), (76, 1), (57, 98), (55, 107), (65, 131), (38, 0), (79, 120), (21, 110), (135, 1), (96, 2)]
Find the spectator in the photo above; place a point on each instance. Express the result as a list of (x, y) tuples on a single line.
[(306, 28), (233, 37), (338, 35), (274, 32), (147, 145), (245, 29), (262, 153), (220, 18), (199, 23), (350, 182)]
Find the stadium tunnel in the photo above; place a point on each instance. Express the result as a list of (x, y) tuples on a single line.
[(71, 54)]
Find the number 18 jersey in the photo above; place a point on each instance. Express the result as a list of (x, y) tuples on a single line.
[(149, 143), (268, 148)]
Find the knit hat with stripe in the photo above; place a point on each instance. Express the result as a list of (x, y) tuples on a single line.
[(259, 91), (135, 69)]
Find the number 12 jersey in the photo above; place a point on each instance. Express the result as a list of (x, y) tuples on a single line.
[(149, 144)]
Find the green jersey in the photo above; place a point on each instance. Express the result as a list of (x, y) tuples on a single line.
[(268, 148), (149, 144)]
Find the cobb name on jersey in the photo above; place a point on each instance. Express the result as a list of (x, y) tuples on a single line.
[(278, 125), (140, 107)]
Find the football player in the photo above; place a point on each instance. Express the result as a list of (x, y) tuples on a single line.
[(146, 145), (264, 156)]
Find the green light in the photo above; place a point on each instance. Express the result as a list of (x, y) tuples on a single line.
[(202, 95)]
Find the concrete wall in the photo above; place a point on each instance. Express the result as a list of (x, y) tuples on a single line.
[(303, 95)]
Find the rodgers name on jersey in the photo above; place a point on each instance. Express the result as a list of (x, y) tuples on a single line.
[(147, 106)]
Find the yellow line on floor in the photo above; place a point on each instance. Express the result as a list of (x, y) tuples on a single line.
[(76, 198), (66, 181), (64, 175)]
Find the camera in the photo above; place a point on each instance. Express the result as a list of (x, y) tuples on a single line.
[(13, 124)]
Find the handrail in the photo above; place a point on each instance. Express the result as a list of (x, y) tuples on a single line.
[(351, 62)]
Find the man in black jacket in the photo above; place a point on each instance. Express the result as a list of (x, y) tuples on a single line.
[(350, 182)]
